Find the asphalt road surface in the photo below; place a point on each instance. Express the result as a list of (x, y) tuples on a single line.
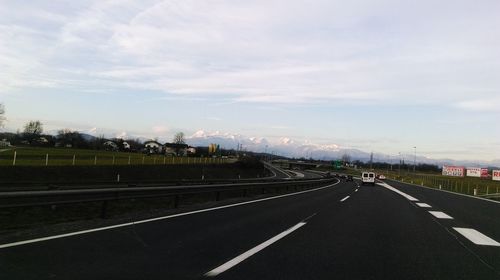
[(337, 232)]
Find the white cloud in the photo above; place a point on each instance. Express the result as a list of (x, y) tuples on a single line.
[(483, 105), (259, 51), (325, 54), (160, 129)]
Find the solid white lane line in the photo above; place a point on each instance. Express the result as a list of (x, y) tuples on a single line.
[(424, 205), (344, 199), (407, 196), (476, 237), (440, 215), (156, 219), (218, 270)]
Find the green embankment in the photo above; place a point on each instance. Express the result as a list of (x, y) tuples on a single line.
[(35, 156)]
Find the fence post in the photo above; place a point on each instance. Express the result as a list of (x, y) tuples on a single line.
[(14, 160), (129, 160), (487, 189), (74, 159), (95, 160), (113, 160), (118, 178), (46, 159), (475, 192)]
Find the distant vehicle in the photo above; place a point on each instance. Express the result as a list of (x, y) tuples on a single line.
[(381, 177), (349, 178), (368, 178)]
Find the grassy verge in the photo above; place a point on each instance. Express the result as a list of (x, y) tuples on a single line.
[(43, 177), (36, 156), (465, 185)]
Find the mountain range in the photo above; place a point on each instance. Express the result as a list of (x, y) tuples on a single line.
[(288, 147), (304, 149)]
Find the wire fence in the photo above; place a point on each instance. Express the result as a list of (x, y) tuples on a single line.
[(17, 158), (464, 185)]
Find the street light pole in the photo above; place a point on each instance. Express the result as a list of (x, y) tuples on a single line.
[(390, 157), (415, 159), (399, 165)]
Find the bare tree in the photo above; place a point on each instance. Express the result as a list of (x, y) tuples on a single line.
[(32, 130), (2, 113), (68, 137), (179, 138), (346, 158)]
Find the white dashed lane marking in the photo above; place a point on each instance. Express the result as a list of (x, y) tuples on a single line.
[(476, 237), (471, 234), (423, 205), (440, 215)]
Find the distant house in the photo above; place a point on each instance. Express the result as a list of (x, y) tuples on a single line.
[(191, 151), (153, 147), (126, 146), (61, 144), (174, 149), (42, 140), (110, 146), (4, 143)]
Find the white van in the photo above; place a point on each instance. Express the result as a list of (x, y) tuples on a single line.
[(368, 178)]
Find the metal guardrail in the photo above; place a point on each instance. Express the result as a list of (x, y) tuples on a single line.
[(55, 197), (6, 187), (491, 195), (27, 185)]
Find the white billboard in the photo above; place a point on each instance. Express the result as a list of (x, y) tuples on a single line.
[(457, 171), (496, 175), (473, 172)]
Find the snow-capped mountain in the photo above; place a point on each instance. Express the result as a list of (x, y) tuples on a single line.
[(294, 148), (287, 147)]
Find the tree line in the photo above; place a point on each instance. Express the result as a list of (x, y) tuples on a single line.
[(33, 134)]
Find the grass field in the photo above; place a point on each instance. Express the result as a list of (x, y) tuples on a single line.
[(465, 185), (35, 156)]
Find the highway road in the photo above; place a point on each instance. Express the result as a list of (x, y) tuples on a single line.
[(341, 231)]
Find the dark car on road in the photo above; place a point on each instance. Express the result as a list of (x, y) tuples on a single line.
[(349, 178)]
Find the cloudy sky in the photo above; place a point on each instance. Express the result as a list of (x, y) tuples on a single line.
[(380, 76)]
